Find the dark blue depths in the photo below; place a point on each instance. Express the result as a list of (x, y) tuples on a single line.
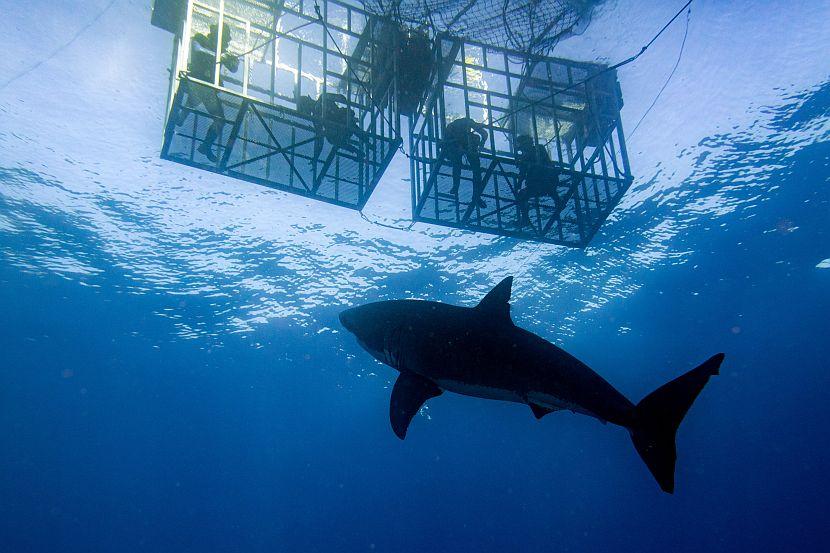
[(116, 435)]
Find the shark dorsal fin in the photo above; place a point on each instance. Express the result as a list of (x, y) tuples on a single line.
[(497, 301)]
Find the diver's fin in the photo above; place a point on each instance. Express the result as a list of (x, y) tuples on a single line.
[(497, 301), (658, 415), (408, 395), (539, 411)]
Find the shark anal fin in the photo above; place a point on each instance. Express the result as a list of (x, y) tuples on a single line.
[(539, 411), (497, 302), (408, 395)]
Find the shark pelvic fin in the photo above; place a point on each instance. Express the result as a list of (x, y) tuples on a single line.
[(408, 395), (539, 411), (497, 301)]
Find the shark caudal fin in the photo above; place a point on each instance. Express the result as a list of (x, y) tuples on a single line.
[(658, 415)]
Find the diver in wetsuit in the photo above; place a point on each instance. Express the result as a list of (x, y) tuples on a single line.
[(202, 66), (414, 68), (404, 54), (332, 122), (536, 172), (463, 139)]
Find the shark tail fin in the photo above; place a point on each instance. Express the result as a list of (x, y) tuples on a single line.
[(658, 415)]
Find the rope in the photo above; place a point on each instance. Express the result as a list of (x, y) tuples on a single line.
[(371, 98), (359, 81), (378, 223), (61, 48), (622, 63), (523, 264), (597, 74), (676, 64), (273, 38)]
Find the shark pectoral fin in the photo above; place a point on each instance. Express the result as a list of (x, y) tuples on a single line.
[(539, 411), (408, 395), (497, 301)]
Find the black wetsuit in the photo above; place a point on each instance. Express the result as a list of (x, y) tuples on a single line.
[(202, 65), (414, 69), (335, 123), (539, 177), (460, 142)]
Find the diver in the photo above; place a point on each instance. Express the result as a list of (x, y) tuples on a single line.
[(405, 55), (463, 139), (381, 72), (203, 66), (335, 123), (536, 172), (414, 68)]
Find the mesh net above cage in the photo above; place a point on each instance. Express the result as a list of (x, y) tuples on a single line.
[(533, 26)]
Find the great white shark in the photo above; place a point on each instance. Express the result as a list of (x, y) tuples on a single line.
[(478, 351)]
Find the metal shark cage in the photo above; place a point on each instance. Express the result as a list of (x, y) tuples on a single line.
[(269, 121), (571, 109)]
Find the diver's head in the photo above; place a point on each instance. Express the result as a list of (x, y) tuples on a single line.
[(306, 105), (419, 33), (226, 34), (524, 143)]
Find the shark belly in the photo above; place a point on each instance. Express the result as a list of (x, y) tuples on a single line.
[(557, 403), (479, 390), (542, 399)]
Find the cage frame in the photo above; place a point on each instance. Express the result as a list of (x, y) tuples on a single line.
[(602, 172), (379, 135)]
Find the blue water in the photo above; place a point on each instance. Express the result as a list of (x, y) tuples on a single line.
[(173, 376)]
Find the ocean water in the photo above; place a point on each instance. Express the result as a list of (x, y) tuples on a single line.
[(173, 376)]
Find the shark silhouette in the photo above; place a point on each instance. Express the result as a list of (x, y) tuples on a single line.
[(479, 352)]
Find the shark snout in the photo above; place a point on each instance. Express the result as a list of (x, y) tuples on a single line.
[(347, 319)]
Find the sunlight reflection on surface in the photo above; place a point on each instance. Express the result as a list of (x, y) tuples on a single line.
[(82, 182)]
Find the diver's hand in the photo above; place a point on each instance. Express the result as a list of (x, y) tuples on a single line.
[(231, 62)]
